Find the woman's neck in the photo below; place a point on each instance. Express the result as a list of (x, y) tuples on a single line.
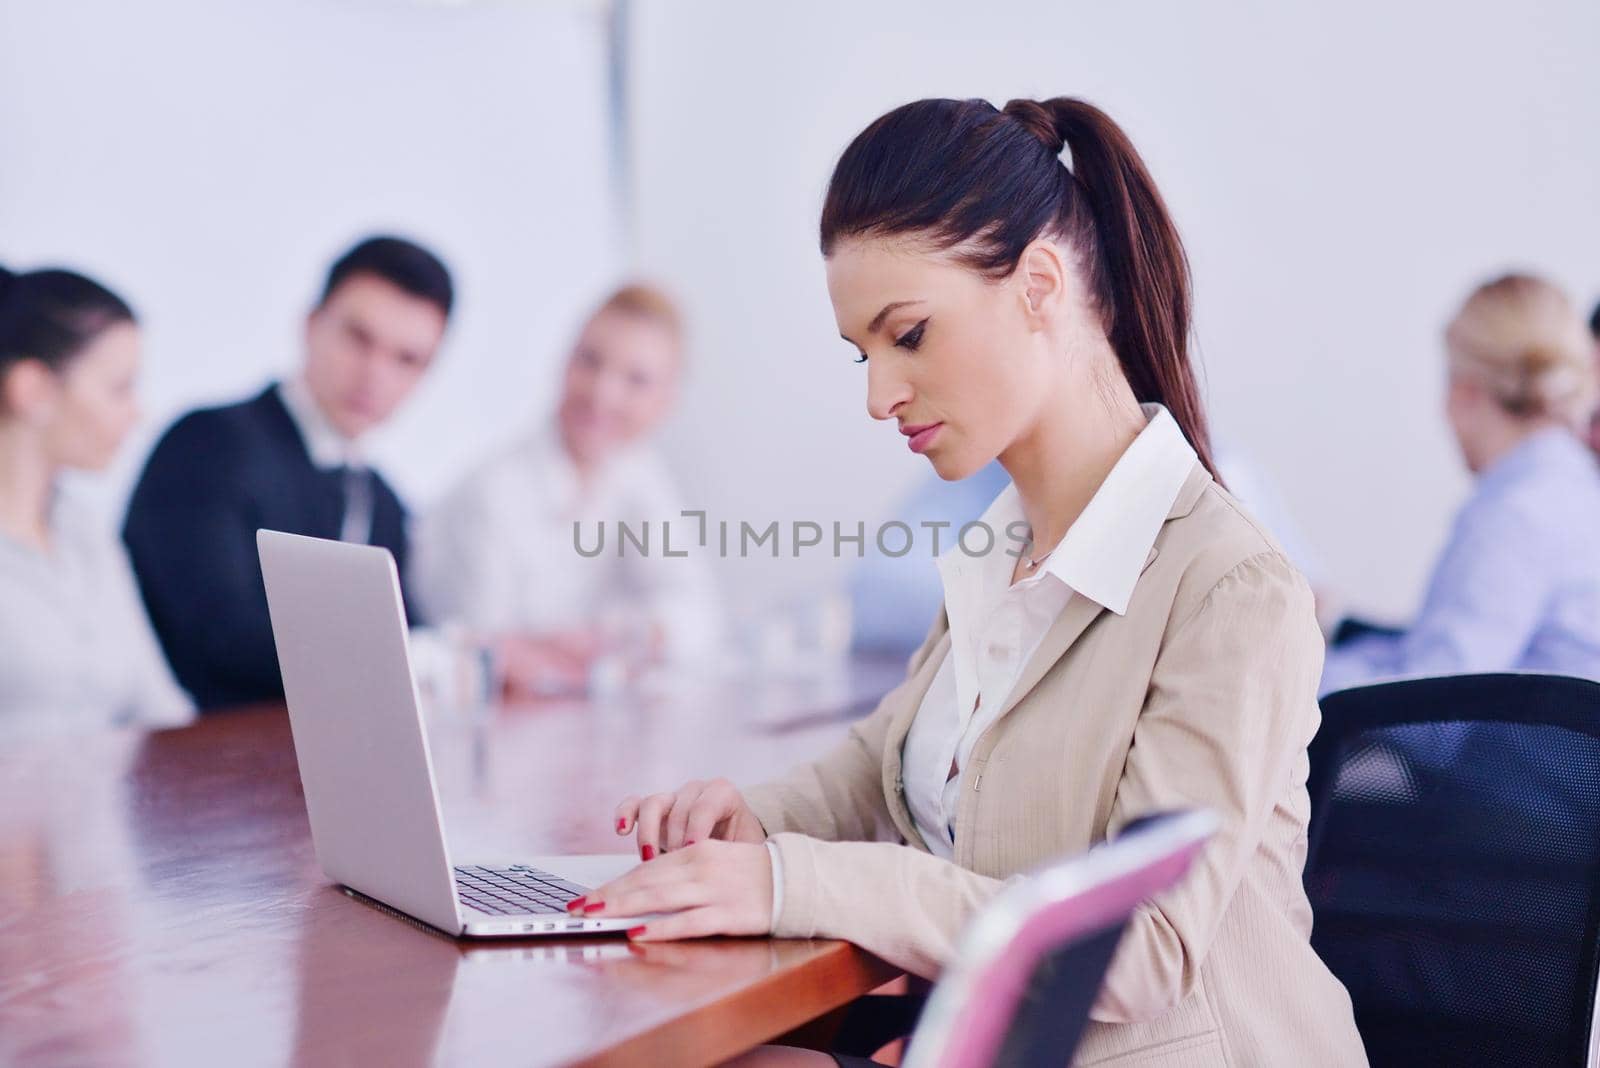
[(27, 481), (1059, 464)]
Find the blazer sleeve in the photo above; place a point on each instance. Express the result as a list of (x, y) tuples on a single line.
[(1225, 725), (190, 533), (902, 905), (840, 797)]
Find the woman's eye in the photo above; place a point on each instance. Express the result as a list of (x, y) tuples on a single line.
[(912, 338)]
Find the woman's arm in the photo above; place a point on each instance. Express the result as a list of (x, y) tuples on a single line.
[(1230, 711), (901, 904), (840, 796)]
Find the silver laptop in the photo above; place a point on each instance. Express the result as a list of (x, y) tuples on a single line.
[(340, 629)]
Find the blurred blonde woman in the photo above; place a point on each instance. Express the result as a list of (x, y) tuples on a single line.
[(1518, 586), (499, 554)]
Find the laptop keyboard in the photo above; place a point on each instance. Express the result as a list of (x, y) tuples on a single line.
[(515, 890)]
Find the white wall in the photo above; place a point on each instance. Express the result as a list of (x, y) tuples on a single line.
[(1342, 174), (209, 159)]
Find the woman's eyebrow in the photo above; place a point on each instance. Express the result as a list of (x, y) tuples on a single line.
[(877, 320)]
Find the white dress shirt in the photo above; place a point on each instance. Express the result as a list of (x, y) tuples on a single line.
[(332, 451), (995, 626), (498, 553), (76, 649)]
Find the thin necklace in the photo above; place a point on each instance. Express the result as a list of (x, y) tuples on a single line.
[(1034, 564)]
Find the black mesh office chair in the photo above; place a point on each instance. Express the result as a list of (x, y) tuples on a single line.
[(1454, 866)]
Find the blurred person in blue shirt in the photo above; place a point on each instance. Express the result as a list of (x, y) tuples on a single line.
[(1594, 420), (1518, 585)]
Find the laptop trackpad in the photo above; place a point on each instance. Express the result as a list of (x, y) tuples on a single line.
[(587, 871)]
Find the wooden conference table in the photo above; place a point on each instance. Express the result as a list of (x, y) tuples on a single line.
[(160, 902)]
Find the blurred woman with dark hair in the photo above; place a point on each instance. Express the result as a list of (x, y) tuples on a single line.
[(76, 650), (1151, 649)]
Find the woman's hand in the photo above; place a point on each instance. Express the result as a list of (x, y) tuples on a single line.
[(544, 665), (697, 812), (710, 888)]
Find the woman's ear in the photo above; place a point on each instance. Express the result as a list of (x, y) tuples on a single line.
[(28, 391), (1043, 278)]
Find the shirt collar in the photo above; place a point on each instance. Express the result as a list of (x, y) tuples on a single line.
[(1551, 447), (327, 447), (1105, 550)]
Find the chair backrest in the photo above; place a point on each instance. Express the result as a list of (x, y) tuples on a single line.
[(1029, 967), (1454, 866)]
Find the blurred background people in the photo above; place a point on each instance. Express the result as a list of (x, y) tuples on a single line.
[(1518, 584), (500, 555), (1594, 420), (76, 651), (291, 458), (893, 599)]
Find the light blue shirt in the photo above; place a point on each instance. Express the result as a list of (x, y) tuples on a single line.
[(1518, 586), (894, 599)]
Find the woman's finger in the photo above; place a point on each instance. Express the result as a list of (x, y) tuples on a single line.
[(648, 829), (642, 896), (699, 922), (682, 805), (713, 810), (627, 811)]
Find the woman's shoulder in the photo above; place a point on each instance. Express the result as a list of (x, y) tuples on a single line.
[(1217, 542)]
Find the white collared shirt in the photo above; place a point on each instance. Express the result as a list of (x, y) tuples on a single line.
[(330, 451), (76, 650), (996, 626), (498, 552)]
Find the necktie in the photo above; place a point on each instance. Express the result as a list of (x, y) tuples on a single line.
[(357, 523)]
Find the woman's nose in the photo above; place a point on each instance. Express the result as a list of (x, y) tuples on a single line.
[(886, 390)]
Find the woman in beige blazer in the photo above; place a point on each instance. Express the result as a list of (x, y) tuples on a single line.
[(1150, 647)]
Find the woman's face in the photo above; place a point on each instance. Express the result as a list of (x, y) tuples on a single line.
[(92, 405), (620, 384), (964, 364)]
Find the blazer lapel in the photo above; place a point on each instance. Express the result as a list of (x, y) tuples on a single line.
[(1068, 628), (1080, 611)]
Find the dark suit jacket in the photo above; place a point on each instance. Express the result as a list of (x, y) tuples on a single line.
[(215, 477)]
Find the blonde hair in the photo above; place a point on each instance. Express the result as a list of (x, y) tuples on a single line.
[(645, 301), (1524, 341)]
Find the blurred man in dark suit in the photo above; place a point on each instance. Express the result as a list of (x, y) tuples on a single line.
[(288, 459)]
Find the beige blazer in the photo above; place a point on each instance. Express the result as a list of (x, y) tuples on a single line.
[(1202, 694)]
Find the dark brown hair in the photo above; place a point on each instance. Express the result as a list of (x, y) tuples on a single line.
[(985, 182), (51, 315), (399, 262)]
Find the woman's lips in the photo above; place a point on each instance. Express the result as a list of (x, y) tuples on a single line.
[(920, 438)]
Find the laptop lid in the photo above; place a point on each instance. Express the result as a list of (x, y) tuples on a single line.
[(340, 629)]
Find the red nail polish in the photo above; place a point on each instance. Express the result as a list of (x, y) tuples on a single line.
[(689, 843), (576, 903), (635, 932), (622, 826), (594, 909), (648, 852)]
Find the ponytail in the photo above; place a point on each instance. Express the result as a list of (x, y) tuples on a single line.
[(1141, 275)]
